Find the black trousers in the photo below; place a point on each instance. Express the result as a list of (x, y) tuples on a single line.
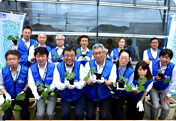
[(24, 114), (132, 111), (116, 107), (103, 108)]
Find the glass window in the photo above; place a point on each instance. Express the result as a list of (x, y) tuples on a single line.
[(59, 17), (172, 3), (153, 2), (8, 5), (119, 1), (131, 20)]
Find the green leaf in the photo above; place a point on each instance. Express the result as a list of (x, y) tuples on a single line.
[(35, 44), (78, 51), (37, 83), (48, 90), (67, 72), (46, 101), (141, 88), (121, 78), (139, 82), (159, 71), (125, 79), (16, 37), (10, 37), (21, 96), (167, 80), (41, 84), (47, 85), (52, 93), (6, 105), (44, 94), (114, 84), (86, 78), (40, 88), (112, 92), (72, 75), (120, 81), (128, 88), (17, 107), (92, 69), (109, 88), (142, 78)]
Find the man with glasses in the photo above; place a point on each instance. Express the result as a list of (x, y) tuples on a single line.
[(84, 54), (97, 91), (24, 44), (72, 91), (13, 80), (56, 54), (152, 53)]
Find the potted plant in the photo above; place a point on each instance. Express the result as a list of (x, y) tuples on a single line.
[(14, 39), (70, 77), (83, 53), (160, 74), (122, 80), (88, 74), (55, 57)]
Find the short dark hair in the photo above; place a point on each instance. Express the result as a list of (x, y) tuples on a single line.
[(144, 65), (13, 52), (69, 48), (107, 46), (41, 50), (165, 52), (127, 51), (153, 39), (83, 36), (27, 27)]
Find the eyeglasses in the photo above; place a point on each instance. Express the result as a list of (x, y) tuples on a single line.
[(124, 58), (10, 59), (99, 53), (60, 39), (69, 56)]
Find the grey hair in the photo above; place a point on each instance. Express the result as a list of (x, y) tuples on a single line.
[(59, 35), (98, 45)]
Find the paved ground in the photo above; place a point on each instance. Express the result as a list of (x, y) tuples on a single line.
[(145, 117)]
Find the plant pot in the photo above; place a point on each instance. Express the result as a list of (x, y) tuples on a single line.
[(58, 110), (171, 112), (83, 54), (59, 60), (98, 76), (161, 75), (31, 109), (121, 85), (39, 92), (15, 42), (71, 81)]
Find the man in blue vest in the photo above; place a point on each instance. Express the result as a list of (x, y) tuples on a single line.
[(84, 54), (13, 80), (161, 89), (24, 44), (43, 72), (71, 92), (152, 53), (97, 91), (56, 54), (41, 43)]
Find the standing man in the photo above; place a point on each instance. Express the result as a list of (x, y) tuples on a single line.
[(41, 43), (56, 54), (13, 80), (152, 53), (73, 93), (43, 72), (162, 90), (84, 54), (97, 91), (24, 44)]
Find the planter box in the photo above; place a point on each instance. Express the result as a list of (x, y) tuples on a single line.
[(148, 106), (31, 109)]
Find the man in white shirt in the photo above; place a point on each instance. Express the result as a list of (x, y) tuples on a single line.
[(162, 90), (41, 43), (43, 72), (97, 91), (56, 55), (152, 53)]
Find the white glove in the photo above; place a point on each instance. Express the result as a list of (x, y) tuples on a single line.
[(8, 97), (45, 89), (80, 84), (93, 78), (140, 106), (61, 86), (101, 80), (36, 95), (86, 58), (80, 58), (22, 92), (71, 86)]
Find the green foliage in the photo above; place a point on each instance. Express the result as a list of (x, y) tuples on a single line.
[(46, 101), (167, 80), (88, 74), (21, 96), (78, 51), (128, 88), (114, 84), (140, 81), (6, 105), (10, 37), (70, 75), (36, 44), (44, 94), (141, 88), (159, 71), (52, 93), (55, 57), (17, 107), (122, 79)]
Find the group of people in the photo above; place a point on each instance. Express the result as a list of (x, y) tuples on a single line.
[(31, 62)]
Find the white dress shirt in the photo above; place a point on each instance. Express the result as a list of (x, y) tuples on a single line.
[(154, 54), (112, 76), (172, 83)]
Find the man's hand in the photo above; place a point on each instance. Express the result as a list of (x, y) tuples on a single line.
[(32, 59), (166, 100), (157, 78)]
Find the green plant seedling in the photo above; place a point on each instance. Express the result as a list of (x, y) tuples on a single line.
[(10, 37), (88, 74)]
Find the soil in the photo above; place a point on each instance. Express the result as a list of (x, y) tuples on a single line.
[(15, 42), (161, 75), (98, 76), (59, 60), (121, 85), (31, 103), (71, 81)]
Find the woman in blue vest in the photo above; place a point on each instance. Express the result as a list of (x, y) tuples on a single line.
[(124, 69), (135, 106), (121, 42), (107, 50)]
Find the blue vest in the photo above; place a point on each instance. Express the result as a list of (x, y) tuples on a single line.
[(89, 54), (159, 85), (127, 74), (14, 88), (139, 95), (47, 47), (150, 54), (73, 94), (115, 53), (24, 51), (54, 54), (110, 58), (49, 73), (98, 91)]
